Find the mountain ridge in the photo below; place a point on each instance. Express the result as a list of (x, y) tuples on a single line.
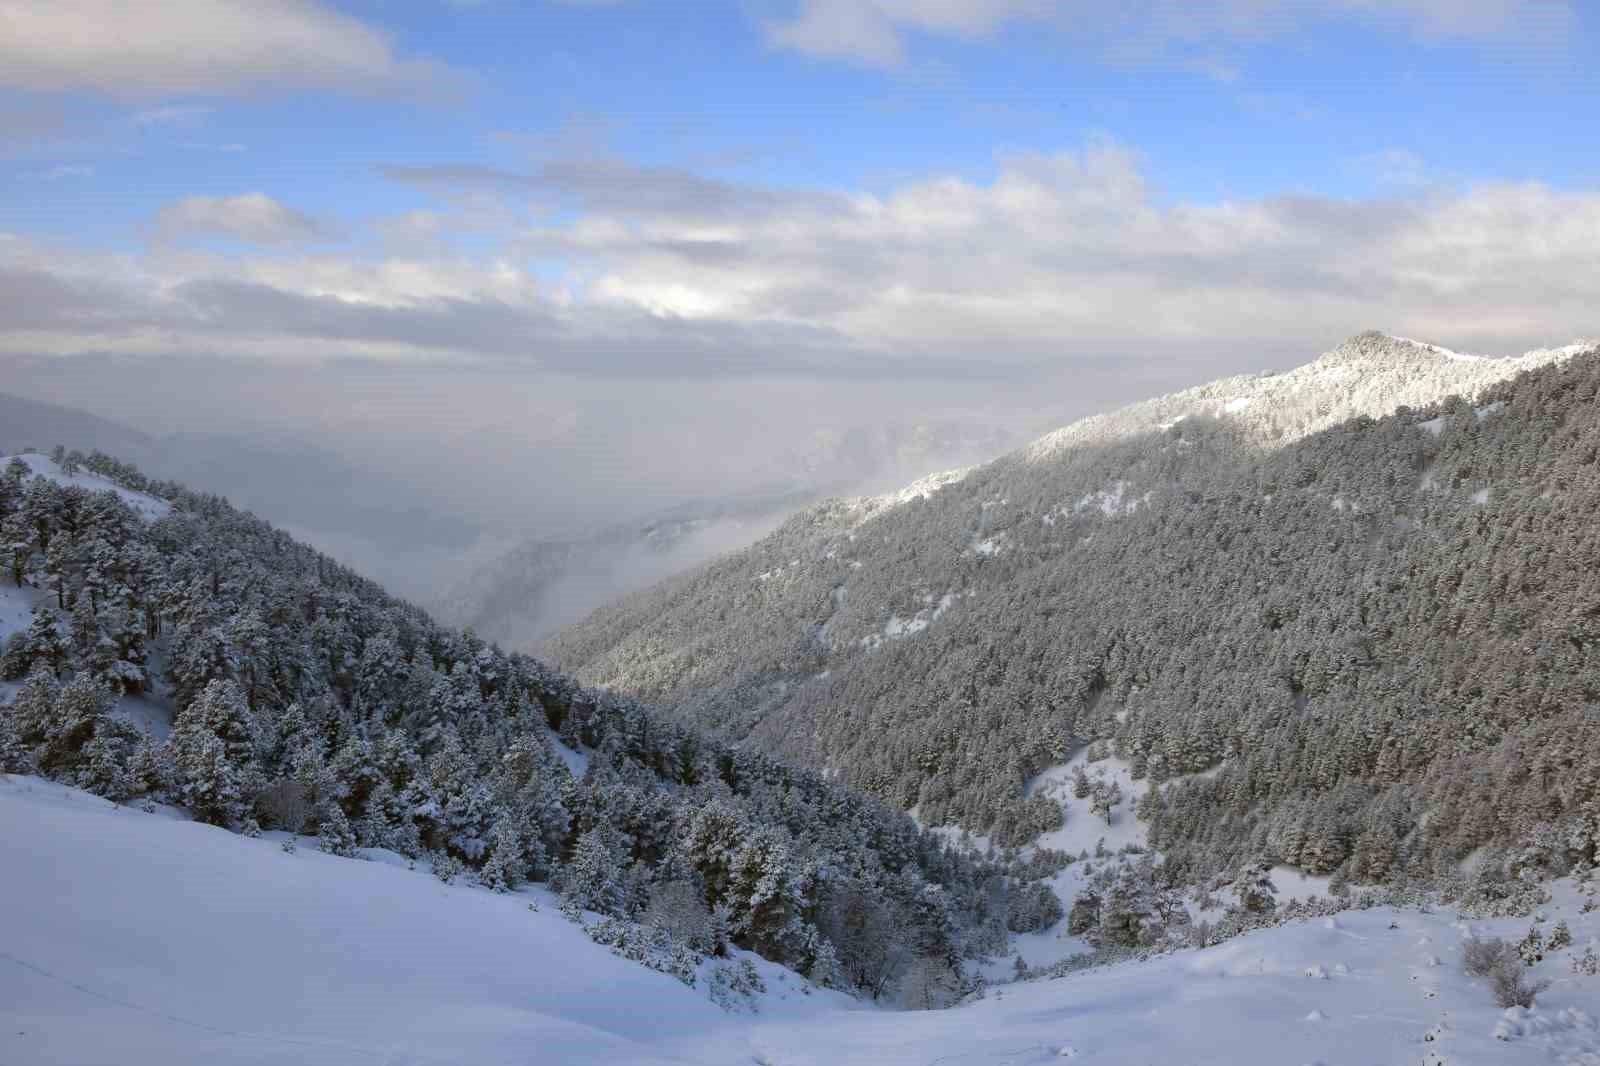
[(1177, 587)]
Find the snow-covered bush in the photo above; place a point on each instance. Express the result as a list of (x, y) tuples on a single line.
[(1500, 962), (447, 868), (1034, 907), (679, 908), (650, 946), (735, 984)]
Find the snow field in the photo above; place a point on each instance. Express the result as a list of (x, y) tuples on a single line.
[(142, 940)]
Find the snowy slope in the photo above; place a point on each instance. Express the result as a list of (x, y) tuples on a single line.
[(135, 939), (1370, 374), (16, 611), (148, 506), (153, 940), (152, 711)]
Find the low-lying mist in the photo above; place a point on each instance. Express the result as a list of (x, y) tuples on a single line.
[(514, 500)]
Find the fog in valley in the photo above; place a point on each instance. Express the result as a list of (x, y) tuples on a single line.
[(422, 476)]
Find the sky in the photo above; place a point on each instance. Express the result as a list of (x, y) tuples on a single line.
[(633, 251)]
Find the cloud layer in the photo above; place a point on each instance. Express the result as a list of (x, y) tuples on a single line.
[(614, 269)]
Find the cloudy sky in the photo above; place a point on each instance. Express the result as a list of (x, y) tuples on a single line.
[(727, 216)]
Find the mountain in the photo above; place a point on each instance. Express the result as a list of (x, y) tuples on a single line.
[(1343, 614), (522, 596), (158, 645), (1305, 671), (28, 424), (369, 520)]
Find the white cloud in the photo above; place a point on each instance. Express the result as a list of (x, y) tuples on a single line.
[(1061, 260), (199, 46), (874, 33), (253, 217)]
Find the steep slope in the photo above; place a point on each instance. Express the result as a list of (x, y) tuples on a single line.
[(149, 941), (160, 645), (1373, 634)]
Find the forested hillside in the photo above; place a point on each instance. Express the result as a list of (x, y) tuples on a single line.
[(1350, 612), (181, 650)]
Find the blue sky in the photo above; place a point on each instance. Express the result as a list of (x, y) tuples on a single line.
[(809, 187), (1335, 105)]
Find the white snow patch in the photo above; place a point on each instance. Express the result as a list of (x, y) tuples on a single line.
[(1436, 350), (148, 712), (1481, 496), (1433, 425), (920, 489), (148, 507), (16, 607), (1112, 502), (577, 761), (1489, 409), (896, 627), (1238, 403)]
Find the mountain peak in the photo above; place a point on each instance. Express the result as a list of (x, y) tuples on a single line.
[(1372, 373)]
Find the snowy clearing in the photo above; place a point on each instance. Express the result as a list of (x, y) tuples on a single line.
[(149, 940), (148, 507)]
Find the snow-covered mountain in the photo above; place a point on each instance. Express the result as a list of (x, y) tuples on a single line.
[(1195, 662), (1291, 595), (373, 521), (160, 647)]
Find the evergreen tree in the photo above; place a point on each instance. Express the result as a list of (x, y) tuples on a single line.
[(334, 834)]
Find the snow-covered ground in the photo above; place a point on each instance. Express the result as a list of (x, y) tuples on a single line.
[(148, 506), (134, 939), (151, 711), (16, 611)]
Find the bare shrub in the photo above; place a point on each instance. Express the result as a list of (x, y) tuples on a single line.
[(1499, 961), (283, 804)]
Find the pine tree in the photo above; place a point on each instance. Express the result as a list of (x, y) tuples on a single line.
[(105, 769), (592, 881), (208, 784), (503, 872), (15, 758), (334, 834), (77, 717), (1531, 947), (1254, 889), (41, 646)]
